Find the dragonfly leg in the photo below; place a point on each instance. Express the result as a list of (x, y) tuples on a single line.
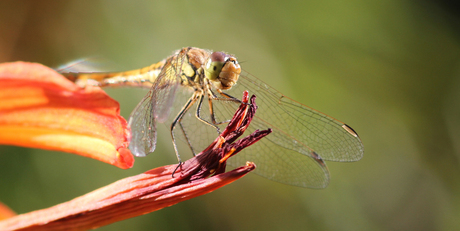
[(178, 166), (178, 118), (211, 111), (227, 97), (213, 120), (211, 97)]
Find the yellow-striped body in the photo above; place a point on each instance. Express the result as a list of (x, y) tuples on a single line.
[(143, 77)]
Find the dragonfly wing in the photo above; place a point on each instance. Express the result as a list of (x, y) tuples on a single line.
[(307, 130), (155, 107), (143, 128), (165, 87)]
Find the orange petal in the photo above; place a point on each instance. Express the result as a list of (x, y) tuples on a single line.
[(6, 212), (39, 108)]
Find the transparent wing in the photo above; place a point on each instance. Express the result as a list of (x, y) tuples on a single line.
[(87, 64), (143, 127), (302, 137), (329, 138), (155, 107)]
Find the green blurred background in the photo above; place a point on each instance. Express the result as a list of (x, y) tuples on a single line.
[(390, 69)]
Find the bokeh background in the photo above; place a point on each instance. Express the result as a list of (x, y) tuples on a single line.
[(390, 69)]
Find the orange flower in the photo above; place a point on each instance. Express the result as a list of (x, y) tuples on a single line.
[(39, 108), (152, 190)]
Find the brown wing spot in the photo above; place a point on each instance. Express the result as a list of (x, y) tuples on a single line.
[(350, 130), (318, 158)]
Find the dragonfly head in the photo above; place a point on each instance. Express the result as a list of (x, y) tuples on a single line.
[(223, 70)]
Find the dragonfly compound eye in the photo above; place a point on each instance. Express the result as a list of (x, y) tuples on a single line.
[(214, 65), (223, 70)]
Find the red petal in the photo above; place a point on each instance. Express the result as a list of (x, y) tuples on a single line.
[(39, 108), (129, 197)]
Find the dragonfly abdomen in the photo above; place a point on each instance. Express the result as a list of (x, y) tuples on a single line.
[(143, 77)]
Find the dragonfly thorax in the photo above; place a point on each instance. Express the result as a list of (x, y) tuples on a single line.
[(223, 70)]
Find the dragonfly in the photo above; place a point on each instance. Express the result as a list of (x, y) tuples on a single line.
[(194, 91)]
